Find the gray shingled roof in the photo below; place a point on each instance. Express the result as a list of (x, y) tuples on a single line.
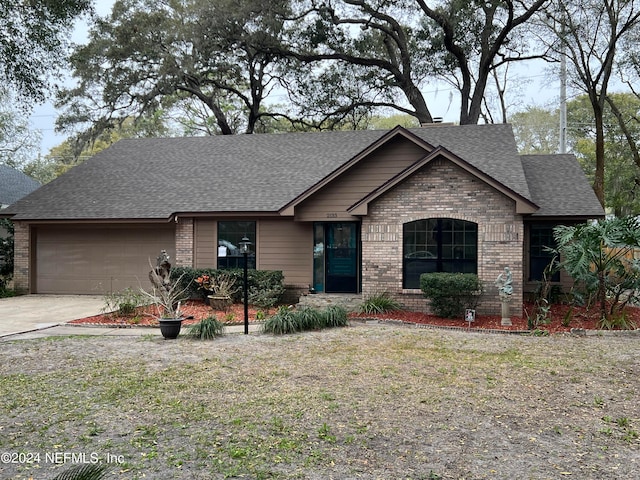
[(14, 185), (157, 177), (560, 187), (490, 148)]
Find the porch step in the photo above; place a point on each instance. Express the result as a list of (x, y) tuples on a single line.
[(350, 301)]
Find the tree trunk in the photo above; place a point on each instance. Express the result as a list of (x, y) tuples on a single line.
[(598, 182), (417, 101), (221, 118), (602, 295)]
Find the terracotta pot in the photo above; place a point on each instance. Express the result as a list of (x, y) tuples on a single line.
[(220, 302), (170, 327)]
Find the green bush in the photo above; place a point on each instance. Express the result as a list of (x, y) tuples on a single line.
[(288, 320), (6, 292), (124, 303), (284, 321), (334, 316), (266, 287), (451, 293), (6, 252), (206, 329), (379, 303)]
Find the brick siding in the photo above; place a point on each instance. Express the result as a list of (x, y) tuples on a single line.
[(184, 242), (442, 190), (21, 257)]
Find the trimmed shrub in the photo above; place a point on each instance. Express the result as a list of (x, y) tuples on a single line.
[(451, 293)]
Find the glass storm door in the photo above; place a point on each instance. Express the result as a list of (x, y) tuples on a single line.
[(341, 257)]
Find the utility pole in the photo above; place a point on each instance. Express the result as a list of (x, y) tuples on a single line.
[(563, 90), (563, 103)]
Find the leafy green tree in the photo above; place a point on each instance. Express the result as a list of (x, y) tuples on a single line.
[(621, 171), (600, 257), (18, 143), (34, 38), (353, 54), (148, 56), (588, 34), (378, 54), (536, 130)]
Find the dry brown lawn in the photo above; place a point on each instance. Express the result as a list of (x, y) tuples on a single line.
[(363, 402)]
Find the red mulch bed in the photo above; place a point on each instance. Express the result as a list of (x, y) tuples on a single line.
[(581, 318), (144, 316)]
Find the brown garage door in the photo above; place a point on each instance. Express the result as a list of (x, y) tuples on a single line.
[(97, 260)]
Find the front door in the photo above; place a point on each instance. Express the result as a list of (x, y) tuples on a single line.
[(336, 257)]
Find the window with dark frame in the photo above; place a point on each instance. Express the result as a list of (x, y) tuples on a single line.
[(541, 237), (438, 245), (230, 233)]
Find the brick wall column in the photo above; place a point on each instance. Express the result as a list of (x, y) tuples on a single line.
[(184, 242), (22, 242)]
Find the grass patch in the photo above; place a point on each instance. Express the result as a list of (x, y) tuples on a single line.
[(371, 402)]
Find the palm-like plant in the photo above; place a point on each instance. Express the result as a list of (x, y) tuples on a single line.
[(83, 472), (600, 256)]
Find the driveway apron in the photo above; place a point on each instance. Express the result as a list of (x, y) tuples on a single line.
[(33, 312)]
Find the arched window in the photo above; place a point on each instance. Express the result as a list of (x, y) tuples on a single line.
[(438, 245)]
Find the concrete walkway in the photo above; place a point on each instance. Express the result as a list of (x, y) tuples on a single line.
[(39, 316)]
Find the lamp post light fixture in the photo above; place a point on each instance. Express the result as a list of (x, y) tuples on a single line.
[(244, 248)]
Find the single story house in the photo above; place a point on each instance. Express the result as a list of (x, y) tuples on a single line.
[(348, 211)]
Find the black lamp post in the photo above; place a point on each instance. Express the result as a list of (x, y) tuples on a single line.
[(244, 248)]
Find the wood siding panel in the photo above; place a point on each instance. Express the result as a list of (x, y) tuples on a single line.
[(281, 245), (332, 201), (287, 246), (205, 243)]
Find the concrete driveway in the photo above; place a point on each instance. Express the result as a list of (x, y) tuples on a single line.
[(33, 312)]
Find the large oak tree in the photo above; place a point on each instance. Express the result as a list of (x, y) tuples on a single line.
[(150, 55), (34, 41)]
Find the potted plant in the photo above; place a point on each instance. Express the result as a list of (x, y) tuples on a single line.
[(167, 297), (204, 284), (219, 290)]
